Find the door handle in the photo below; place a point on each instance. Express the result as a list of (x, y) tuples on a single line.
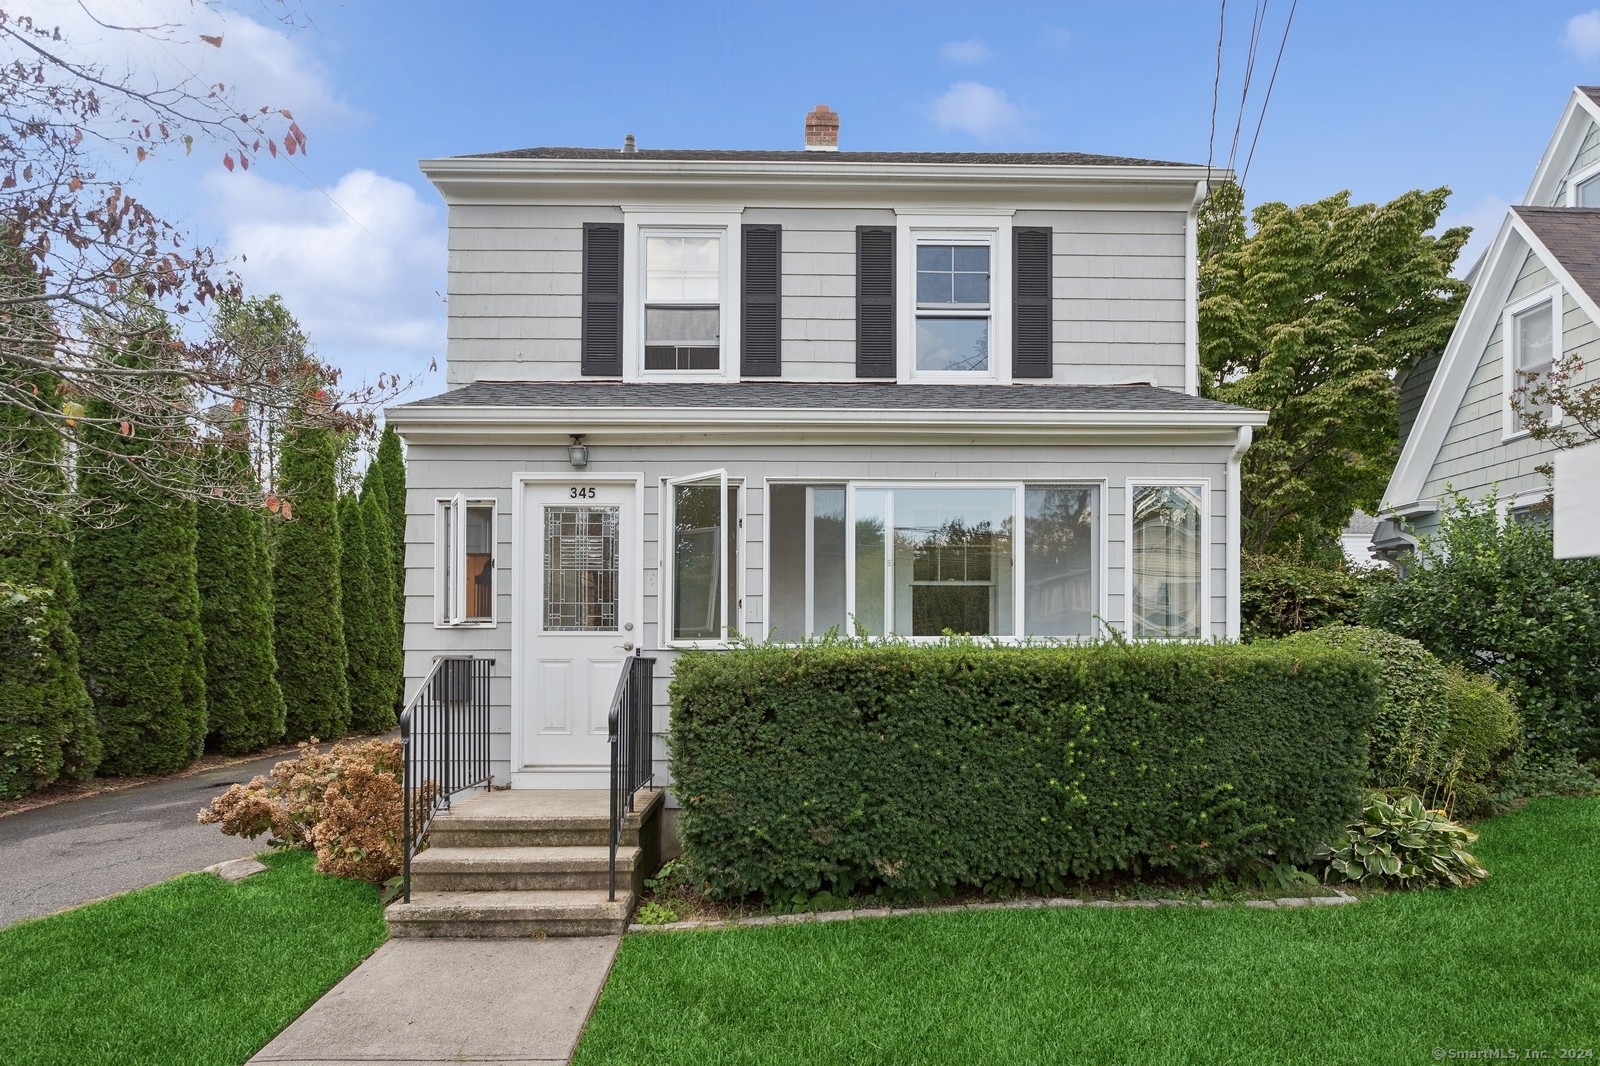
[(627, 645)]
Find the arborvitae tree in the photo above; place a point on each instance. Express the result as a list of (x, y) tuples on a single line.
[(371, 704), (308, 630), (391, 463), (375, 520), (244, 705), (138, 600), (47, 725)]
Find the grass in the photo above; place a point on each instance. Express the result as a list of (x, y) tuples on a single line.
[(1509, 963), (190, 971)]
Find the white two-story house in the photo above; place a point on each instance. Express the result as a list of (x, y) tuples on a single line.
[(698, 396)]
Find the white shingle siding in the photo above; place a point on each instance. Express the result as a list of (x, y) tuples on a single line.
[(515, 291)]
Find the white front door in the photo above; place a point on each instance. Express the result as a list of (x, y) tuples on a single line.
[(580, 621)]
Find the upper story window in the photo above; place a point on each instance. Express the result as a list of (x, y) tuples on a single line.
[(1587, 193), (1531, 333), (953, 292), (682, 301)]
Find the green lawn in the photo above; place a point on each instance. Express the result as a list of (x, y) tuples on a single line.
[(1511, 963), (190, 971)]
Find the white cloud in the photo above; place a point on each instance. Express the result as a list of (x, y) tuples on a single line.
[(366, 286), (966, 53), (978, 109), (260, 65), (1582, 36)]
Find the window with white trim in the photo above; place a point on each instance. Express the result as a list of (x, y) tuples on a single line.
[(923, 560), (702, 568), (683, 295), (1167, 553), (953, 294), (1587, 193), (466, 561), (1532, 333)]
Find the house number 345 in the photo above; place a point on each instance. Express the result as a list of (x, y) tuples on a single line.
[(581, 492)]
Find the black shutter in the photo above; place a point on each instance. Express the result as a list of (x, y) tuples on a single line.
[(602, 299), (1030, 305), (875, 310), (761, 310)]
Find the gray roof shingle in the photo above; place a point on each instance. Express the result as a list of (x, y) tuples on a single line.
[(1572, 235), (822, 396), (733, 155)]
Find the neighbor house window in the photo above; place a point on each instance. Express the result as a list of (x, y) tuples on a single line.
[(1533, 332), (1587, 194), (926, 561), (1167, 559), (466, 561), (682, 301), (703, 520), (954, 291)]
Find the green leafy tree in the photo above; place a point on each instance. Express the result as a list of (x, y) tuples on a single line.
[(365, 631), (375, 521), (1490, 594), (391, 463), (1307, 313), (139, 601), (308, 628), (244, 705)]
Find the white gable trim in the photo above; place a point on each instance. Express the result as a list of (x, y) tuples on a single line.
[(1562, 149)]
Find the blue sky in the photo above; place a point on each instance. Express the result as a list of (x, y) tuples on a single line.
[(1372, 97)]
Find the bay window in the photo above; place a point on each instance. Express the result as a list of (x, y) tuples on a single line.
[(992, 560), (1167, 559)]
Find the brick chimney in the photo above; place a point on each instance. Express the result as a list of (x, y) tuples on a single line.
[(822, 130)]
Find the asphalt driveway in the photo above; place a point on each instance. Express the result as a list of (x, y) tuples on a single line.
[(86, 849)]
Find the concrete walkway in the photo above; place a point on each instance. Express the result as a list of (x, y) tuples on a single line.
[(415, 1001), (86, 849)]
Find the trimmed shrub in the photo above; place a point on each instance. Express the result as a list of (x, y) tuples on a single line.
[(1407, 739), (1282, 594), (138, 614), (1490, 594), (365, 631), (244, 705), (916, 769), (391, 464), (308, 629), (344, 804), (375, 522), (1483, 731)]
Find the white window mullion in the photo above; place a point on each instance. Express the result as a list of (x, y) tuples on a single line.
[(1019, 557), (849, 559), (458, 559)]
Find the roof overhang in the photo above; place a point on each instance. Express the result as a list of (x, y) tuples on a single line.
[(775, 183), (441, 423)]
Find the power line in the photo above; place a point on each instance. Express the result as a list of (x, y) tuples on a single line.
[(1258, 21), (1216, 84), (1268, 97)]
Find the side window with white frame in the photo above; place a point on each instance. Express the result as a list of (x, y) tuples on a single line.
[(1531, 335), (466, 587), (704, 520), (1167, 557)]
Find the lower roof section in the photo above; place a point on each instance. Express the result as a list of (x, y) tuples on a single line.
[(842, 410)]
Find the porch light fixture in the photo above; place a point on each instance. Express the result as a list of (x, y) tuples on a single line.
[(578, 452)]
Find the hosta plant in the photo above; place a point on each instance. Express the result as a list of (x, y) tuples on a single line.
[(1403, 844)]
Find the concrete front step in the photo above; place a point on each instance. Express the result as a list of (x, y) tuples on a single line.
[(582, 912), (539, 818), (456, 869)]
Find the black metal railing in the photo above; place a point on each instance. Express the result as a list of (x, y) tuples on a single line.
[(444, 744), (631, 760)]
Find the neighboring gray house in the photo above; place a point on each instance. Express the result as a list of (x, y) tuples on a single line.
[(1534, 304), (695, 394)]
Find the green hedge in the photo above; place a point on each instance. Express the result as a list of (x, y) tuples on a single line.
[(918, 769)]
